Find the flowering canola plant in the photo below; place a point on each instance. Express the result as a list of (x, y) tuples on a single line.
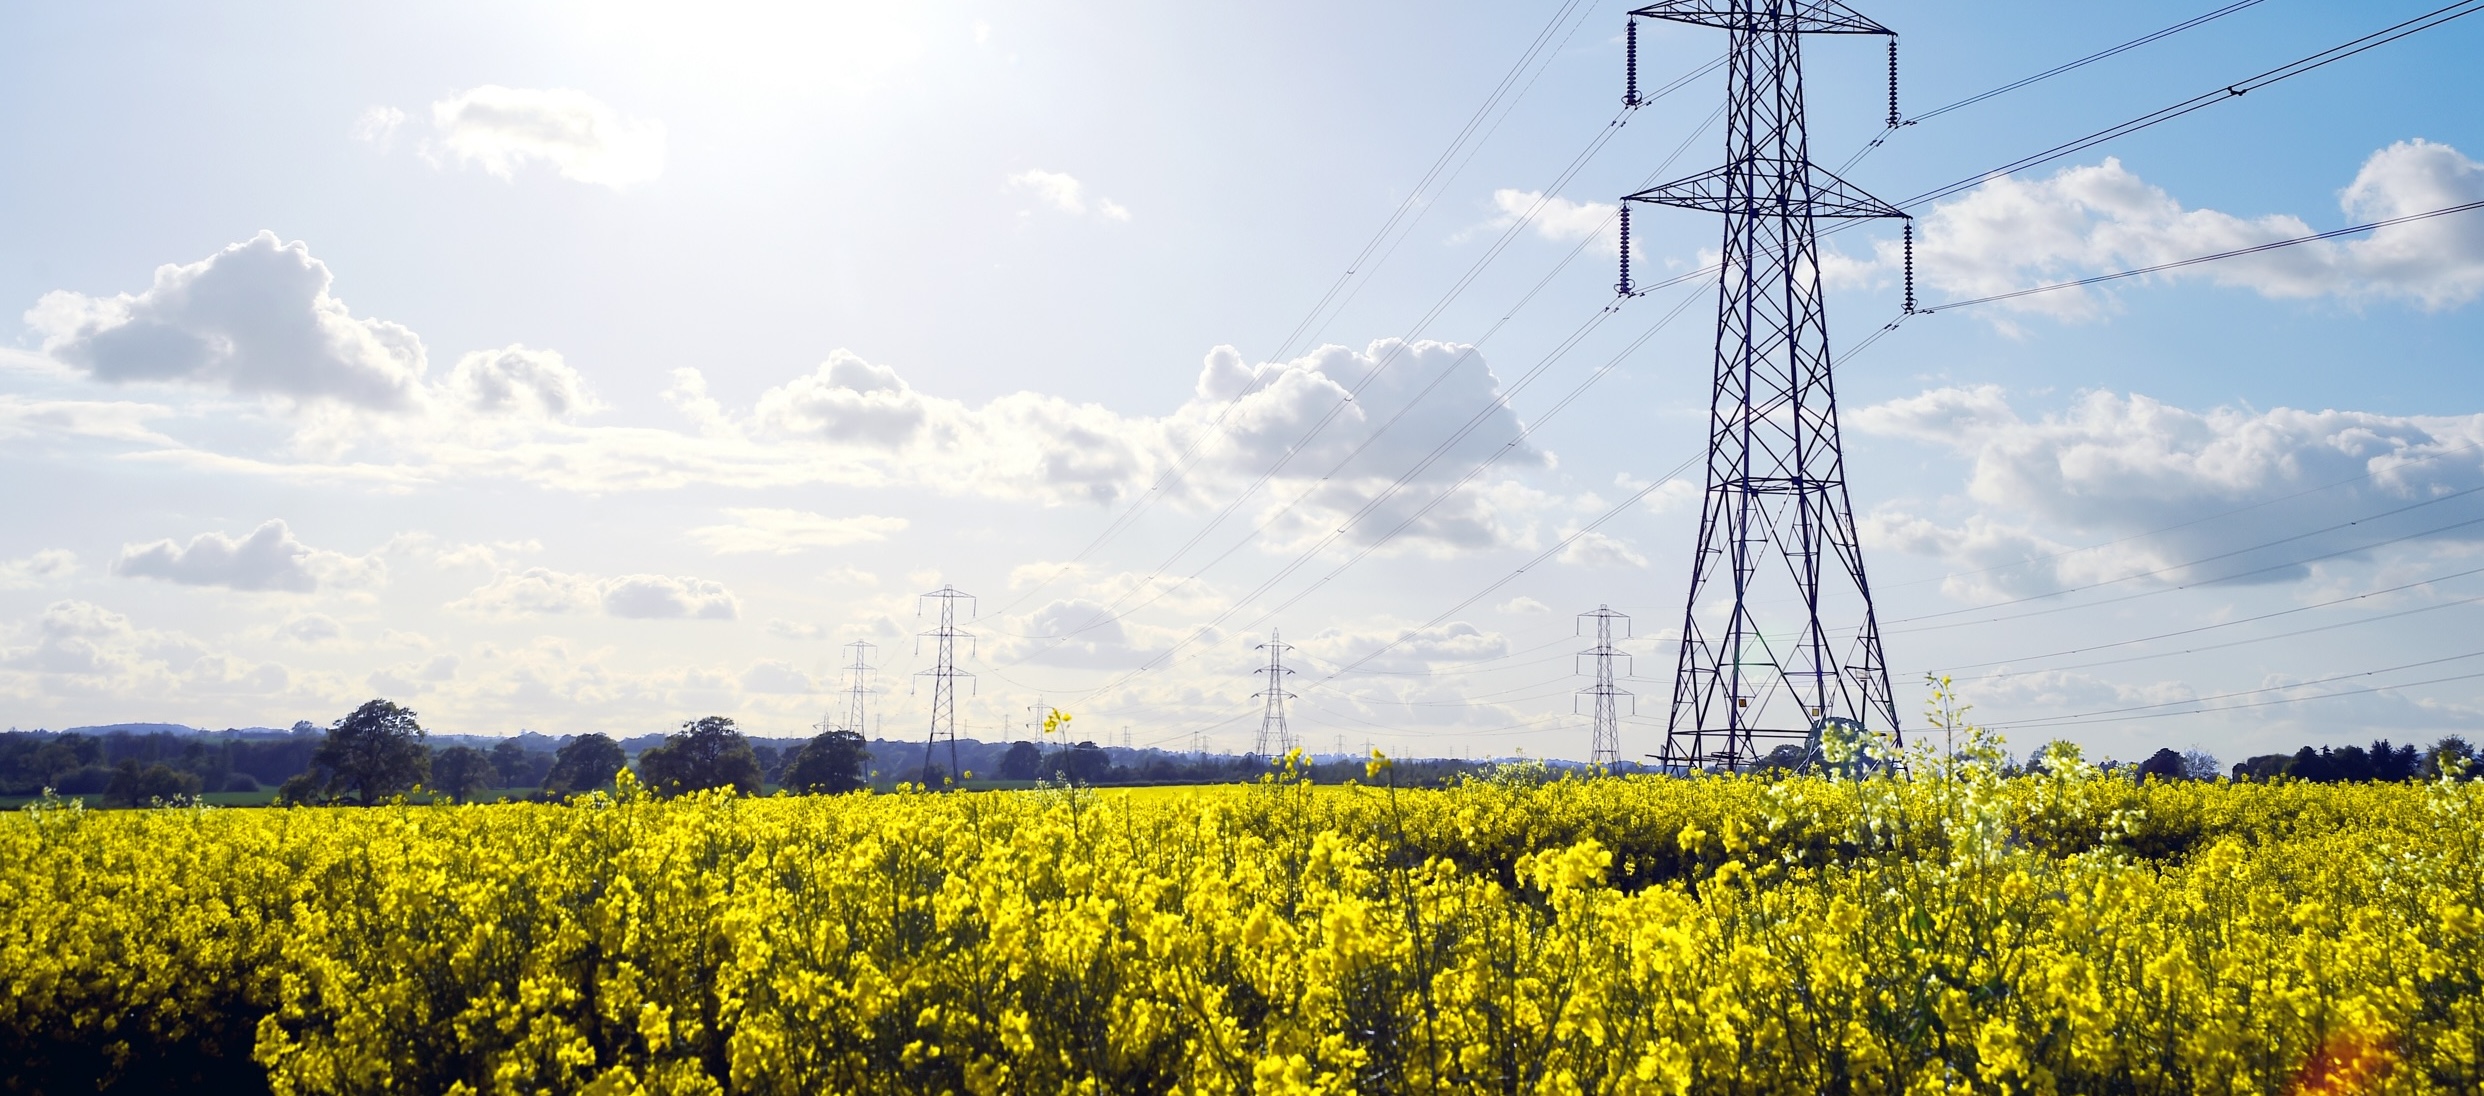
[(1952, 930)]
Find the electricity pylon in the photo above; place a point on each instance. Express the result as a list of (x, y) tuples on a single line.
[(1779, 631), (1272, 729), (944, 673), (1604, 741), (858, 692)]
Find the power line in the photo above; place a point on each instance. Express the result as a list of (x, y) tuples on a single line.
[(1413, 202), (1517, 226), (2347, 551), (2211, 516), (1559, 547), (1563, 545), (1446, 493), (2100, 716), (2284, 72), (2239, 622), (2272, 76), (2234, 90), (1331, 538), (2329, 627), (2047, 74), (2198, 259), (1115, 611), (2203, 559)]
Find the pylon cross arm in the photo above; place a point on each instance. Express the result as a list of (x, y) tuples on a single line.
[(1809, 191), (1798, 16)]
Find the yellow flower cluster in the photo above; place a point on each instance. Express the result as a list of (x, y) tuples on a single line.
[(1951, 931)]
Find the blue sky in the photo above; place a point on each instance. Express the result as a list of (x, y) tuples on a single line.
[(592, 367)]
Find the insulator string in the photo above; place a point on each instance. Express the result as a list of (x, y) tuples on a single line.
[(1893, 108), (1630, 66), (1909, 232), (1624, 286)]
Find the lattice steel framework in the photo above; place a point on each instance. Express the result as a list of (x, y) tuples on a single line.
[(944, 674), (1274, 735), (858, 688), (1779, 631), (1604, 739)]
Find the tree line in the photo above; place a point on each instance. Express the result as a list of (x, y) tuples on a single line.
[(2381, 761), (381, 750), (378, 751)]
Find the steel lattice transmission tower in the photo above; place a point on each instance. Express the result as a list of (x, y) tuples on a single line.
[(1604, 741), (1779, 631), (1272, 728), (944, 673), (858, 688)]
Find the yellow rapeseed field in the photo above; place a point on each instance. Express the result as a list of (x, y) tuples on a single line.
[(1952, 931)]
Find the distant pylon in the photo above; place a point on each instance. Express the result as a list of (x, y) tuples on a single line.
[(1272, 729), (944, 673), (1779, 566), (858, 689), (1604, 741)]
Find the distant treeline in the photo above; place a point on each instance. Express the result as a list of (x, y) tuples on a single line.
[(2382, 761), (304, 764), (2379, 761)]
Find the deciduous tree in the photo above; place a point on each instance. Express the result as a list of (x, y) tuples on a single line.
[(2163, 765), (372, 754), (585, 763), (831, 763), (706, 753), (461, 771)]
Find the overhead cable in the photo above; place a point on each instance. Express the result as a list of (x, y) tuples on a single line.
[(2235, 90), (2198, 259), (2047, 74), (1412, 203)]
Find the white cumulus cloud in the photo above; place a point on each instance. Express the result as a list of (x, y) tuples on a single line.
[(501, 129), (268, 558), (515, 380), (662, 597), (256, 317), (845, 400)]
